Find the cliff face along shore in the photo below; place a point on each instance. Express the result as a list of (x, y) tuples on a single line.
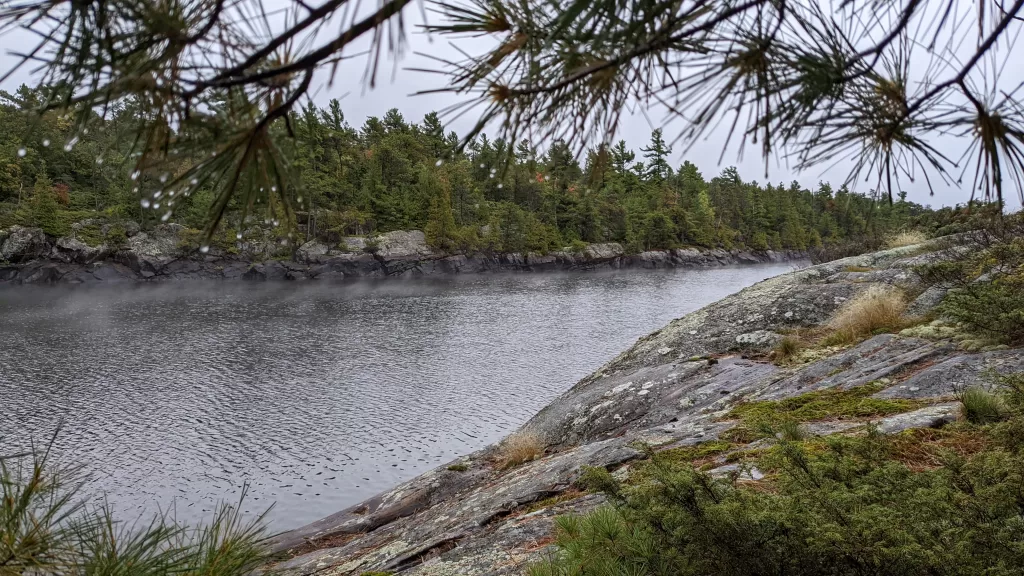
[(28, 255), (673, 388)]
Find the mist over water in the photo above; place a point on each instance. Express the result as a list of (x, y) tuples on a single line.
[(317, 395)]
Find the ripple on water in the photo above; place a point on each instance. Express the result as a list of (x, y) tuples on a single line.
[(318, 395)]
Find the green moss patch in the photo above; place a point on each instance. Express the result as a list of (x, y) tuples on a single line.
[(829, 404)]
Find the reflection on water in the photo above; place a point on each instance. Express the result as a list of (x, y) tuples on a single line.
[(318, 395)]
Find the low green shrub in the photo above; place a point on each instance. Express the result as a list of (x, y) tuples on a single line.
[(985, 282), (993, 309), (923, 502), (117, 237), (577, 246)]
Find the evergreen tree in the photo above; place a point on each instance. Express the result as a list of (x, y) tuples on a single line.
[(703, 229), (657, 168), (622, 157), (440, 231)]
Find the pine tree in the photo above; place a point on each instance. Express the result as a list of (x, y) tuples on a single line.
[(657, 168), (622, 157), (703, 231)]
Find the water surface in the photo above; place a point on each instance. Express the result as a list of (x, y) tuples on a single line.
[(317, 395)]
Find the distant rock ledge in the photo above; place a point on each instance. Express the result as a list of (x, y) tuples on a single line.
[(29, 256)]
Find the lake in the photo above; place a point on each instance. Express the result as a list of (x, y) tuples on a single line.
[(316, 395)]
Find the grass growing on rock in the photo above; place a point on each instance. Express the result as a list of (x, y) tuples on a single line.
[(785, 349), (906, 238), (873, 311), (519, 448), (982, 406)]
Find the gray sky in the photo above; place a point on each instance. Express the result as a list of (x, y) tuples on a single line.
[(396, 85)]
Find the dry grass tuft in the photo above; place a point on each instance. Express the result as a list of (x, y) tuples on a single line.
[(788, 347), (906, 238), (877, 309), (517, 449)]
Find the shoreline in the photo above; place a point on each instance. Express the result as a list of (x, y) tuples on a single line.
[(28, 256)]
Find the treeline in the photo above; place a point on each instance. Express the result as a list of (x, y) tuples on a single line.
[(393, 174)]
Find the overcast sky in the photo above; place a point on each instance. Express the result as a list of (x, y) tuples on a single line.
[(396, 85)]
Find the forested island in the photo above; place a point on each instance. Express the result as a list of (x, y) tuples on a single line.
[(392, 174)]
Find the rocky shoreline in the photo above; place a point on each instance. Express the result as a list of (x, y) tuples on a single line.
[(674, 388), (29, 256)]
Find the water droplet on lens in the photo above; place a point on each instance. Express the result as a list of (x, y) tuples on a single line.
[(204, 249), (145, 203), (22, 152), (46, 143)]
